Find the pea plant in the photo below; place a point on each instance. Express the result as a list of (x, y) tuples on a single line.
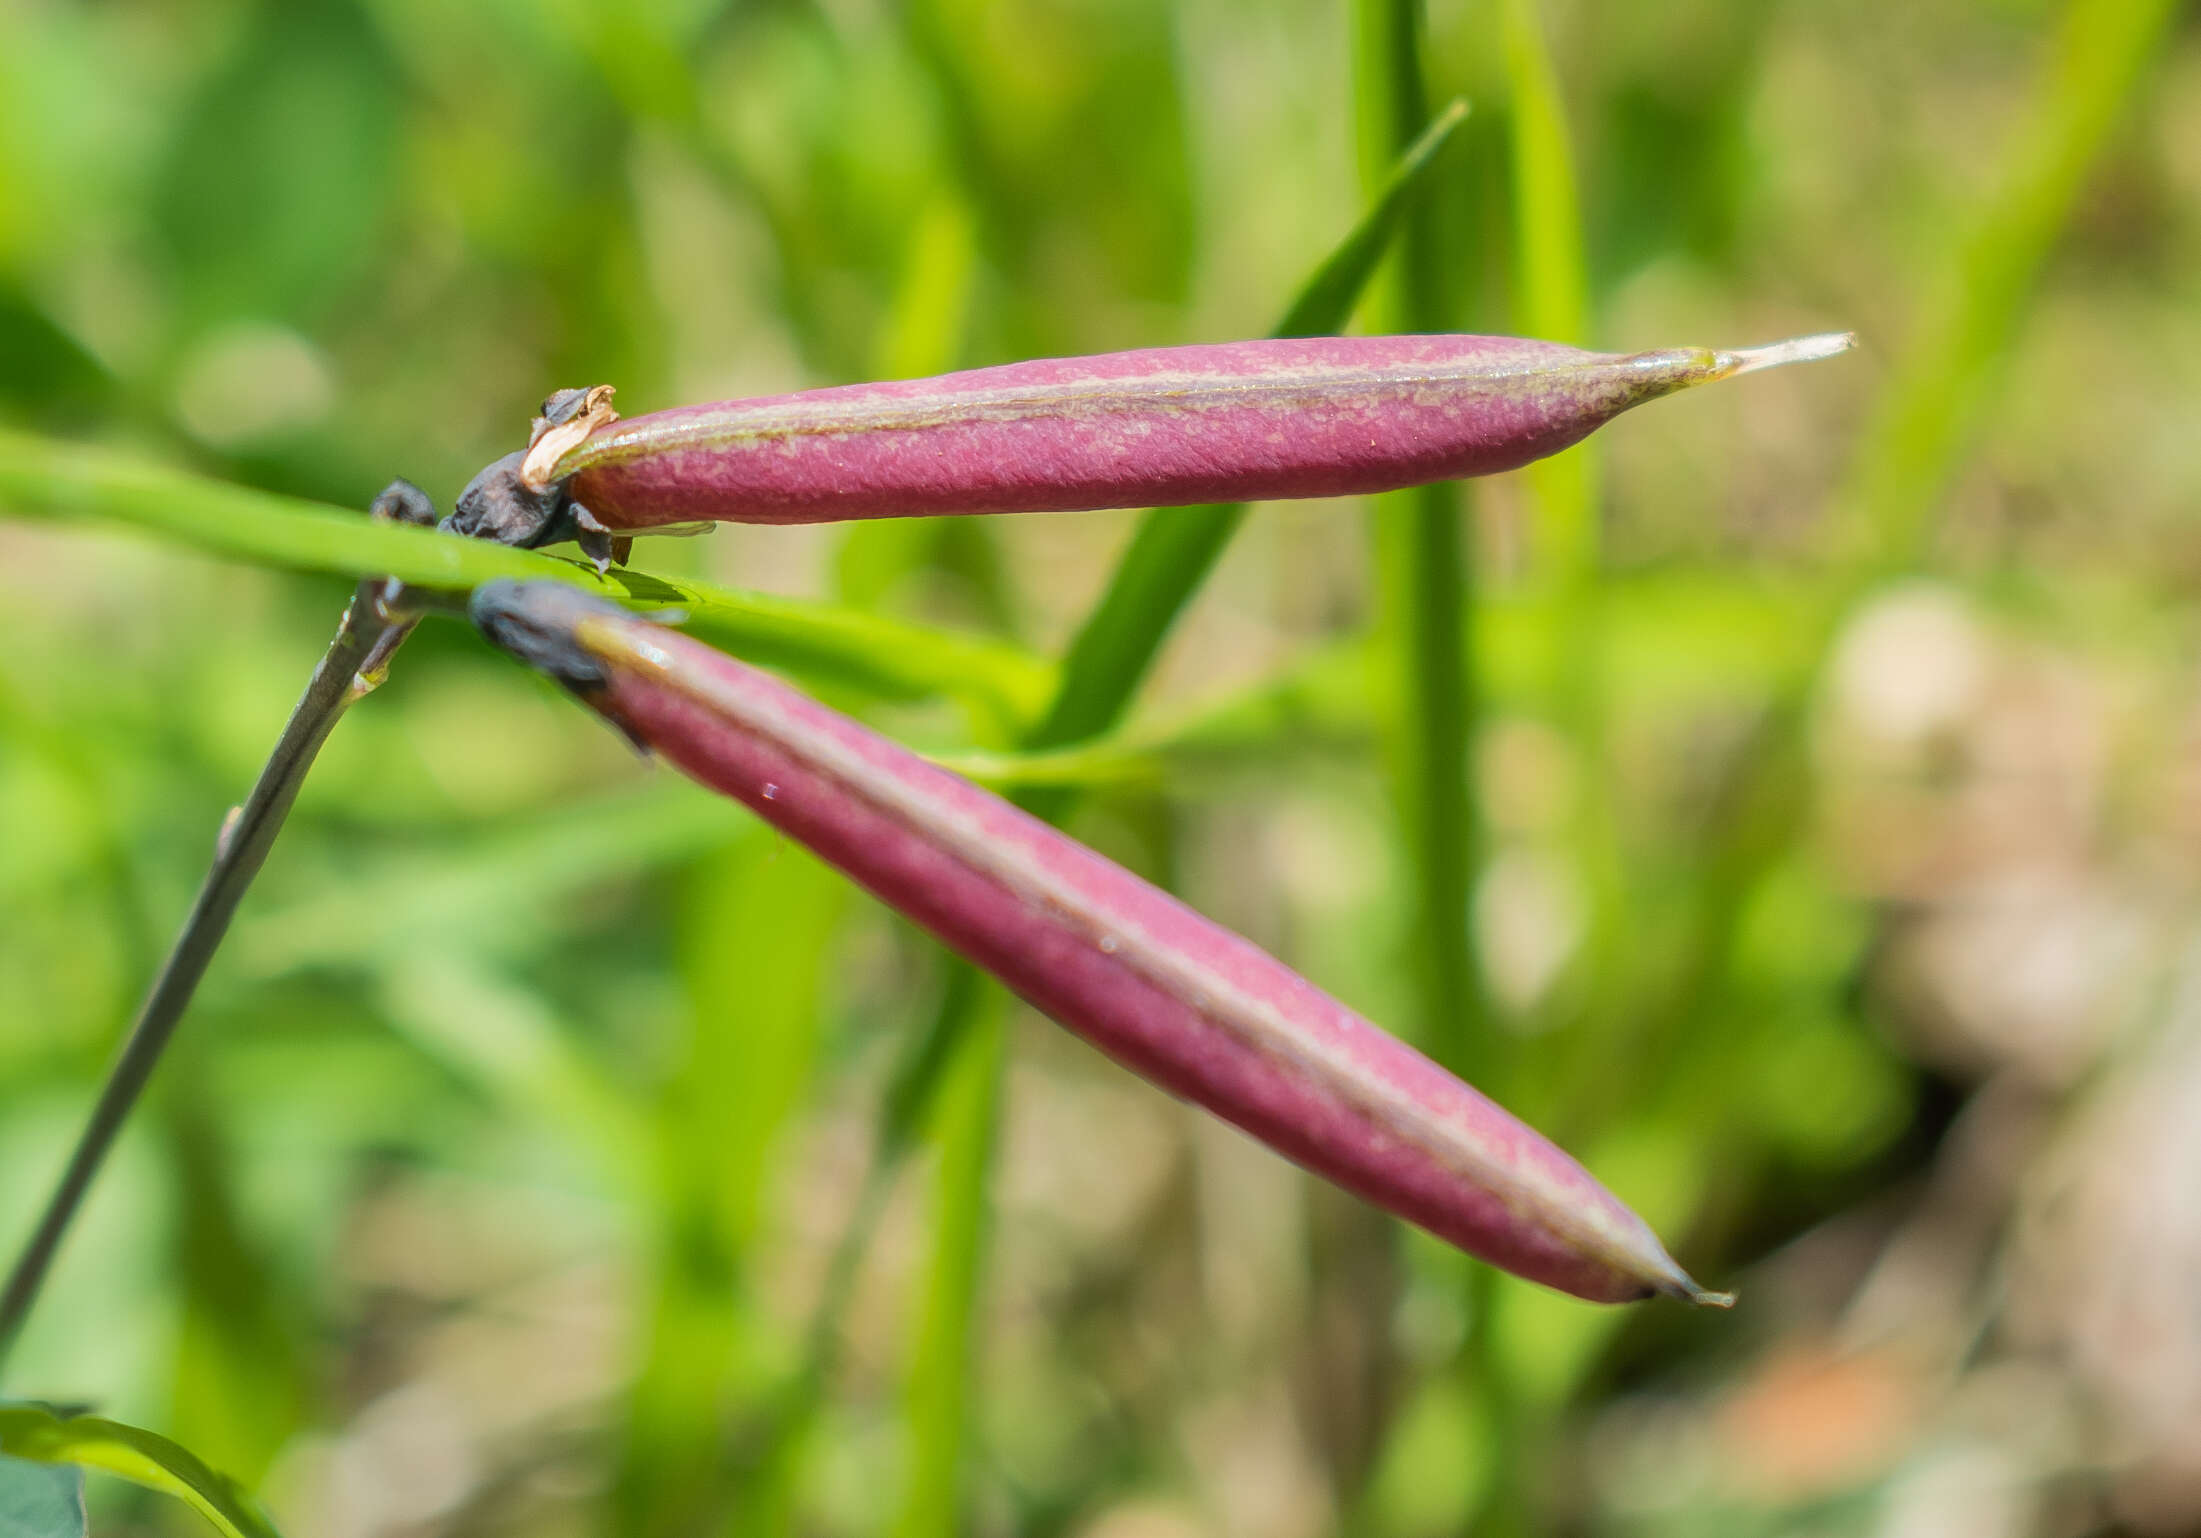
[(1194, 432)]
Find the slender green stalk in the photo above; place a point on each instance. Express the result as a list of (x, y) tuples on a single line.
[(768, 1456), (1423, 643), (1551, 297), (352, 666), (756, 922), (1420, 559), (1551, 289), (938, 1397), (1174, 549), (1422, 592), (892, 658)]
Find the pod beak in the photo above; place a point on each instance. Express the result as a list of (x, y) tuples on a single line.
[(1703, 1297), (1801, 349)]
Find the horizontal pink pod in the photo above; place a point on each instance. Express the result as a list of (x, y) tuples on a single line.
[(1167, 992), (1230, 422)]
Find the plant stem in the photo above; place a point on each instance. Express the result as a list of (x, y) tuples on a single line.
[(1423, 639), (365, 638), (1423, 585)]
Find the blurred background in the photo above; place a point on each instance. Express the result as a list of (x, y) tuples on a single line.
[(1836, 761)]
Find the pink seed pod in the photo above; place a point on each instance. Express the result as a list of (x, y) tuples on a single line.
[(1168, 993), (1232, 422)]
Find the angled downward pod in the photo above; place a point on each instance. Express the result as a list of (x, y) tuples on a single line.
[(1165, 991)]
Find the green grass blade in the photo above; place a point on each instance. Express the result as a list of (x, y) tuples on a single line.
[(938, 1398), (758, 924), (1172, 553), (1551, 289), (1420, 560), (1168, 558), (38, 1434), (922, 334), (821, 641), (1422, 646), (1330, 296), (1421, 570), (1551, 298)]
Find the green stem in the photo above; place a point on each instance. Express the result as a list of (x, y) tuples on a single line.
[(938, 1397), (1425, 641), (1551, 300), (1423, 590), (364, 641), (1174, 549), (823, 642)]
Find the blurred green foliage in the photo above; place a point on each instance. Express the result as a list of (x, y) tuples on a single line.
[(501, 1175)]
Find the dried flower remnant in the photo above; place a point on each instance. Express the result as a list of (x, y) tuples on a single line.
[(1236, 421), (1175, 997)]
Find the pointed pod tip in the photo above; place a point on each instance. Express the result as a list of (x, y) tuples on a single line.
[(1681, 1285), (1666, 1279), (1800, 349)]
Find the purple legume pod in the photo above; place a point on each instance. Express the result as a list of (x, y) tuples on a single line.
[(1234, 422), (1168, 993)]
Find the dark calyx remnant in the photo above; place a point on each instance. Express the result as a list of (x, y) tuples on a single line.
[(535, 621), (501, 504)]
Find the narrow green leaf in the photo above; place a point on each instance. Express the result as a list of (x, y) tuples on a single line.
[(1424, 649), (938, 1398), (1551, 289), (40, 1435), (1551, 296), (39, 478), (1328, 298), (1172, 553), (757, 925), (1424, 601)]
